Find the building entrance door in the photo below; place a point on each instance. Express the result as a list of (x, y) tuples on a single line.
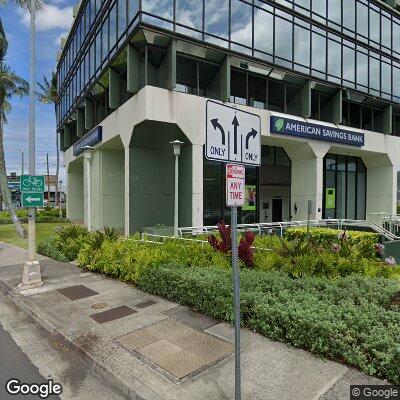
[(277, 210)]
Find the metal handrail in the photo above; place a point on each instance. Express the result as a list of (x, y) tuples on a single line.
[(269, 227)]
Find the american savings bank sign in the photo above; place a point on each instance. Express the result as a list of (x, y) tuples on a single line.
[(293, 127)]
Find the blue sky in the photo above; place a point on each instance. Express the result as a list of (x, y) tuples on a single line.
[(52, 23)]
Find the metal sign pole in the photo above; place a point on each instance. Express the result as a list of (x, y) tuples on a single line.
[(236, 300)]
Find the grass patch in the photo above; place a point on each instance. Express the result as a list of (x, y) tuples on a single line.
[(8, 233)]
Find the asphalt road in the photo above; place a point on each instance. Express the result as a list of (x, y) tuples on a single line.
[(15, 364), (30, 354)]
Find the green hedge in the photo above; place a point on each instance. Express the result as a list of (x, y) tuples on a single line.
[(348, 319), (46, 215), (49, 248)]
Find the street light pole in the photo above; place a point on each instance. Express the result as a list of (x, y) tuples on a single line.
[(31, 276), (22, 161), (177, 151)]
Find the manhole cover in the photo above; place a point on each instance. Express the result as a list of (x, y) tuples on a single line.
[(97, 306)]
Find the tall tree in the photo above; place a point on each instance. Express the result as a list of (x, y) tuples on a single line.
[(24, 4), (10, 85), (48, 95)]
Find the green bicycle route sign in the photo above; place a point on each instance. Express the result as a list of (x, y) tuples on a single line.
[(32, 188), (32, 183)]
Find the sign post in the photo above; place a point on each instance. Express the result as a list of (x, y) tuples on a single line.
[(235, 186), (233, 135)]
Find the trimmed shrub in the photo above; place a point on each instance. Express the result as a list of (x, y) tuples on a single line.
[(70, 239), (49, 248), (347, 319)]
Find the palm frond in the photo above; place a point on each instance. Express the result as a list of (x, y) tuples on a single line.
[(48, 90), (24, 4), (3, 42)]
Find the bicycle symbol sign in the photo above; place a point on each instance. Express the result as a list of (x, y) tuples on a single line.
[(32, 183)]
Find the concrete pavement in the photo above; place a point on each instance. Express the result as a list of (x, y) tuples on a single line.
[(154, 349)]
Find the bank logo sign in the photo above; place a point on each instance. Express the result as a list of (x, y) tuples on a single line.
[(293, 127), (90, 139)]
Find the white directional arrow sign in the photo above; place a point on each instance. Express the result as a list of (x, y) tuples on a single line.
[(232, 134)]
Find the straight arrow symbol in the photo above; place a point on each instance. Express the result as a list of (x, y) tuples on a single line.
[(235, 124)]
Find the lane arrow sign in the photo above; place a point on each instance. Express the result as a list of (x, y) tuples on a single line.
[(216, 126), (253, 133), (235, 124)]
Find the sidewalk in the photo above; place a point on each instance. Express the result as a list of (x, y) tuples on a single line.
[(152, 349)]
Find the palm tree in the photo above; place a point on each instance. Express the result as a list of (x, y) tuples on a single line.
[(10, 85), (48, 95), (24, 4)]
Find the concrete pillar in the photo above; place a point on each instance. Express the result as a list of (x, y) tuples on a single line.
[(106, 189), (381, 184), (387, 115), (88, 190), (127, 190), (226, 79), (171, 65), (89, 114), (133, 68), (306, 100), (67, 137), (337, 108), (114, 89), (80, 122), (74, 199), (307, 179)]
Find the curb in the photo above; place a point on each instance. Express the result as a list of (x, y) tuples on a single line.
[(114, 381)]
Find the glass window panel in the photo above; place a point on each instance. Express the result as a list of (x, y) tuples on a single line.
[(375, 26), (241, 23), (263, 30), (386, 32), (113, 26), (217, 18), (283, 38), (257, 92), (92, 10), (349, 64), (334, 58), (98, 50), (318, 55), (362, 19), (213, 198), (121, 17), (303, 6), (238, 87), (302, 43), (386, 78), (341, 187), (396, 37), (351, 188), (374, 73), (92, 59), (362, 69), (104, 32), (98, 5), (190, 13), (161, 8), (396, 82), (319, 7), (133, 8), (335, 11), (361, 189)]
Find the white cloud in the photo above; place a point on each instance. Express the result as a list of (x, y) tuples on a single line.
[(57, 39), (50, 17)]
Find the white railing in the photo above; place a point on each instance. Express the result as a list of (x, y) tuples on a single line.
[(280, 227)]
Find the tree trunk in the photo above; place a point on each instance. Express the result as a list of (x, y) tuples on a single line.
[(5, 190), (56, 195)]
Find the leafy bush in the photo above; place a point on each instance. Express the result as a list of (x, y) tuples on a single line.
[(49, 248), (347, 319), (70, 239), (364, 241), (126, 259), (47, 215)]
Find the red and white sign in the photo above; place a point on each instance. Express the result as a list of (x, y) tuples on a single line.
[(235, 182)]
